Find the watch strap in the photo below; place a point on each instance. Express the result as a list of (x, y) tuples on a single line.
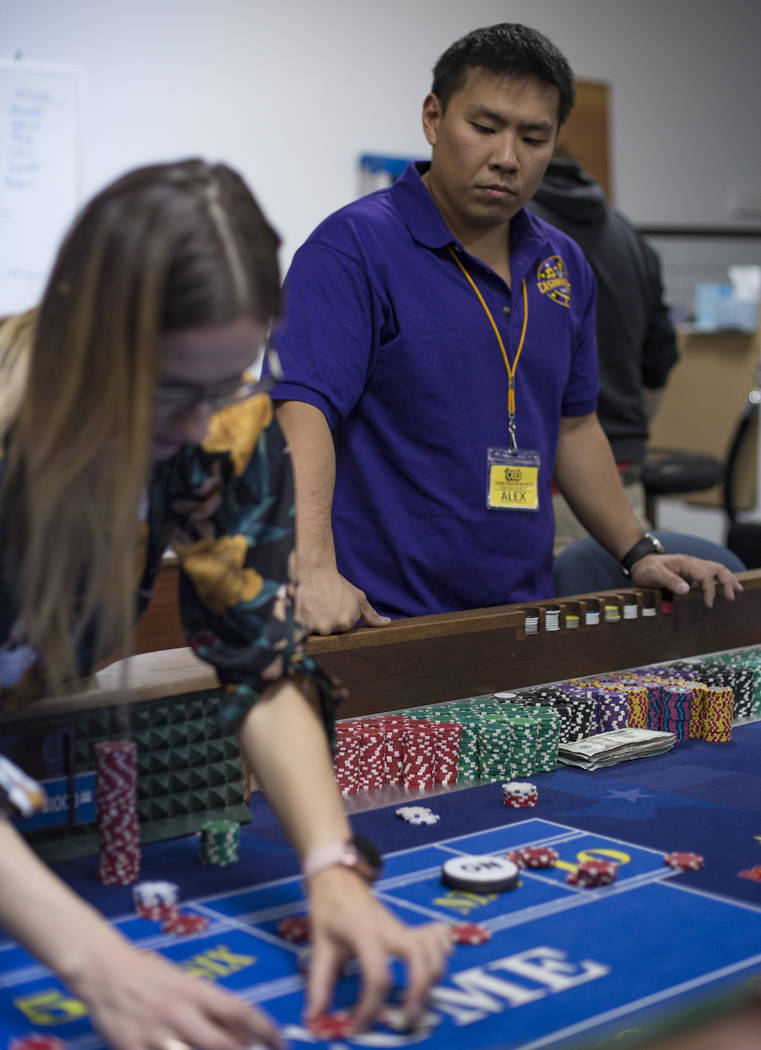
[(329, 855), (357, 854), (646, 544)]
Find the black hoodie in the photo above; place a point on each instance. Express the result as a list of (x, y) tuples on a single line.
[(635, 337)]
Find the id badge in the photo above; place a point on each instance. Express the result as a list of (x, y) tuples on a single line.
[(512, 479)]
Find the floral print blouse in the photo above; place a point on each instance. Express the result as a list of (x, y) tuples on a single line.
[(227, 509)]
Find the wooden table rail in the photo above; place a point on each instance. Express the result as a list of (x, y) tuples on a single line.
[(428, 659)]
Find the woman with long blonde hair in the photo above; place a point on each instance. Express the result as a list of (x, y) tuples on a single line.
[(134, 426)]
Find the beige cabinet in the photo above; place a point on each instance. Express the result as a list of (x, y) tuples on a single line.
[(703, 400)]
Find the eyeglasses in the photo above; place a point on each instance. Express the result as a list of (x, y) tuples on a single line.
[(184, 398)]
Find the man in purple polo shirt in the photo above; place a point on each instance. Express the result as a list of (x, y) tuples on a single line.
[(440, 365)]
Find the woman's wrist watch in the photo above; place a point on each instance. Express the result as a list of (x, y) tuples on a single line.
[(357, 854), (647, 544)]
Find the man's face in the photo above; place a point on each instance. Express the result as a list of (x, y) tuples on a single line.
[(490, 147)]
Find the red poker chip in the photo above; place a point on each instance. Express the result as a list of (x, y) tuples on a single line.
[(157, 912), (533, 857), (469, 933), (332, 1026), (684, 861), (296, 929), (185, 924), (593, 873), (37, 1041)]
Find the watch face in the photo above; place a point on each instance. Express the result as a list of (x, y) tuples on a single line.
[(657, 545)]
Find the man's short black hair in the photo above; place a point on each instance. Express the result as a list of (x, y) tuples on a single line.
[(505, 48)]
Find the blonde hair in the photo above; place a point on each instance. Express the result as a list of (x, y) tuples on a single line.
[(16, 333), (164, 248)]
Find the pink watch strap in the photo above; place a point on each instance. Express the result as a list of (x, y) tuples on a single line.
[(327, 856)]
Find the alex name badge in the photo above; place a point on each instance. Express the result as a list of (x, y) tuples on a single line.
[(512, 481), (512, 475)]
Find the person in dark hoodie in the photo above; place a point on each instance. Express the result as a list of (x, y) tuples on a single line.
[(636, 342)]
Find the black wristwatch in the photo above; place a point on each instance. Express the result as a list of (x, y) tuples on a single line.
[(648, 544)]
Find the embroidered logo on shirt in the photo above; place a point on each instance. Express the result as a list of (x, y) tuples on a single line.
[(552, 280)]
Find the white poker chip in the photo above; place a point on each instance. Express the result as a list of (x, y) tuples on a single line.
[(395, 1018), (519, 788), (417, 815), (487, 874), (155, 893)]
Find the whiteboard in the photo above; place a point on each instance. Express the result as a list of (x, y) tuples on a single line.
[(40, 173)]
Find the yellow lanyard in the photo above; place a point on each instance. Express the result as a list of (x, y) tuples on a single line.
[(510, 369)]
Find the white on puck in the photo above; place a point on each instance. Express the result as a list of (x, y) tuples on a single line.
[(485, 874)]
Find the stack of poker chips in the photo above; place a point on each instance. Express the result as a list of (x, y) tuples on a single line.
[(419, 761), (552, 618), (612, 709), (716, 725), (618, 703), (681, 705), (676, 703), (495, 743), (371, 759), (157, 901), (415, 753), (686, 698), (593, 873), (346, 757), (519, 794), (525, 742), (546, 757), (534, 856), (448, 736), (526, 733), (116, 803), (742, 680), (393, 728), (638, 704), (576, 714), (747, 687), (220, 841)]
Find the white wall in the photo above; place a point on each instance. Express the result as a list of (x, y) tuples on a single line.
[(292, 91)]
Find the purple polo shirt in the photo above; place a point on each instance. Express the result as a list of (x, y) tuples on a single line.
[(386, 337)]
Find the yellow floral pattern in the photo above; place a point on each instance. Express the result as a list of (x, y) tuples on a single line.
[(217, 570), (235, 429)]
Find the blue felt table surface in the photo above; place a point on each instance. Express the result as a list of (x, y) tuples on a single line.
[(705, 798)]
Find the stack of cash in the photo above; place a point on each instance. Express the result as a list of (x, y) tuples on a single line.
[(620, 745)]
